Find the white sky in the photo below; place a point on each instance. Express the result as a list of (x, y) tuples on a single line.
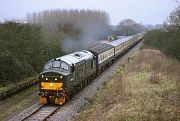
[(142, 11)]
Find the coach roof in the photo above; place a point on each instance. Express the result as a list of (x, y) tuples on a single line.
[(101, 48), (120, 41)]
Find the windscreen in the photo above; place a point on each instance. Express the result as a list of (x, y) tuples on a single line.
[(57, 65)]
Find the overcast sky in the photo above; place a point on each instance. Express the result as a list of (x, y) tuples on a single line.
[(142, 11)]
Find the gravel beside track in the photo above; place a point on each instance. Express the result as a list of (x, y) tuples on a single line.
[(26, 112), (71, 108), (43, 113)]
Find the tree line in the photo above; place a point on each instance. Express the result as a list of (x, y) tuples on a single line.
[(128, 27), (20, 51), (59, 24)]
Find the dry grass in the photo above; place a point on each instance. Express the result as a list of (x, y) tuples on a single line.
[(147, 89)]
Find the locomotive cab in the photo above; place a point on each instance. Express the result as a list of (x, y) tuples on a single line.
[(53, 87)]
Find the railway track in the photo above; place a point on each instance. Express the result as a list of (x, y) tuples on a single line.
[(37, 112), (42, 113)]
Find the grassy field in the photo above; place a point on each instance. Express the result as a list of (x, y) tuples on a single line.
[(10, 85), (18, 102), (147, 88)]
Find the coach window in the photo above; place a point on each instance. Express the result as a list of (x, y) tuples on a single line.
[(101, 58), (111, 52)]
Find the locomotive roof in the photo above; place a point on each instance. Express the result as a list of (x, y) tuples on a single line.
[(120, 41), (76, 57), (101, 48)]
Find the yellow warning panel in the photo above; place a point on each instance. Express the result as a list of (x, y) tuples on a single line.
[(51, 86)]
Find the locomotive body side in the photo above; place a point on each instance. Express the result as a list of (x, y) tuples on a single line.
[(84, 67)]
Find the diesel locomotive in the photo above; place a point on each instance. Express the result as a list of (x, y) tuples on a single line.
[(64, 76)]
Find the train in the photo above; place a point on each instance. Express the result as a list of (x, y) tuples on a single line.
[(63, 77)]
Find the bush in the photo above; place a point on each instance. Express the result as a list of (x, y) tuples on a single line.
[(21, 51), (167, 42)]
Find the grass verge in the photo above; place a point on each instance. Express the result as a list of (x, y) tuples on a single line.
[(148, 88), (17, 102), (10, 85)]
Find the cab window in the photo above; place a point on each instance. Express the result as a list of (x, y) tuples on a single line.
[(56, 64), (64, 66), (48, 65)]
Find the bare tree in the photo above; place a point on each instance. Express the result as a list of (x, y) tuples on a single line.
[(177, 1), (174, 19), (67, 26), (81, 19), (129, 27)]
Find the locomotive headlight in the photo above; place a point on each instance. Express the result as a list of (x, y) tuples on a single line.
[(55, 79), (61, 77), (46, 78), (51, 85), (42, 76)]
